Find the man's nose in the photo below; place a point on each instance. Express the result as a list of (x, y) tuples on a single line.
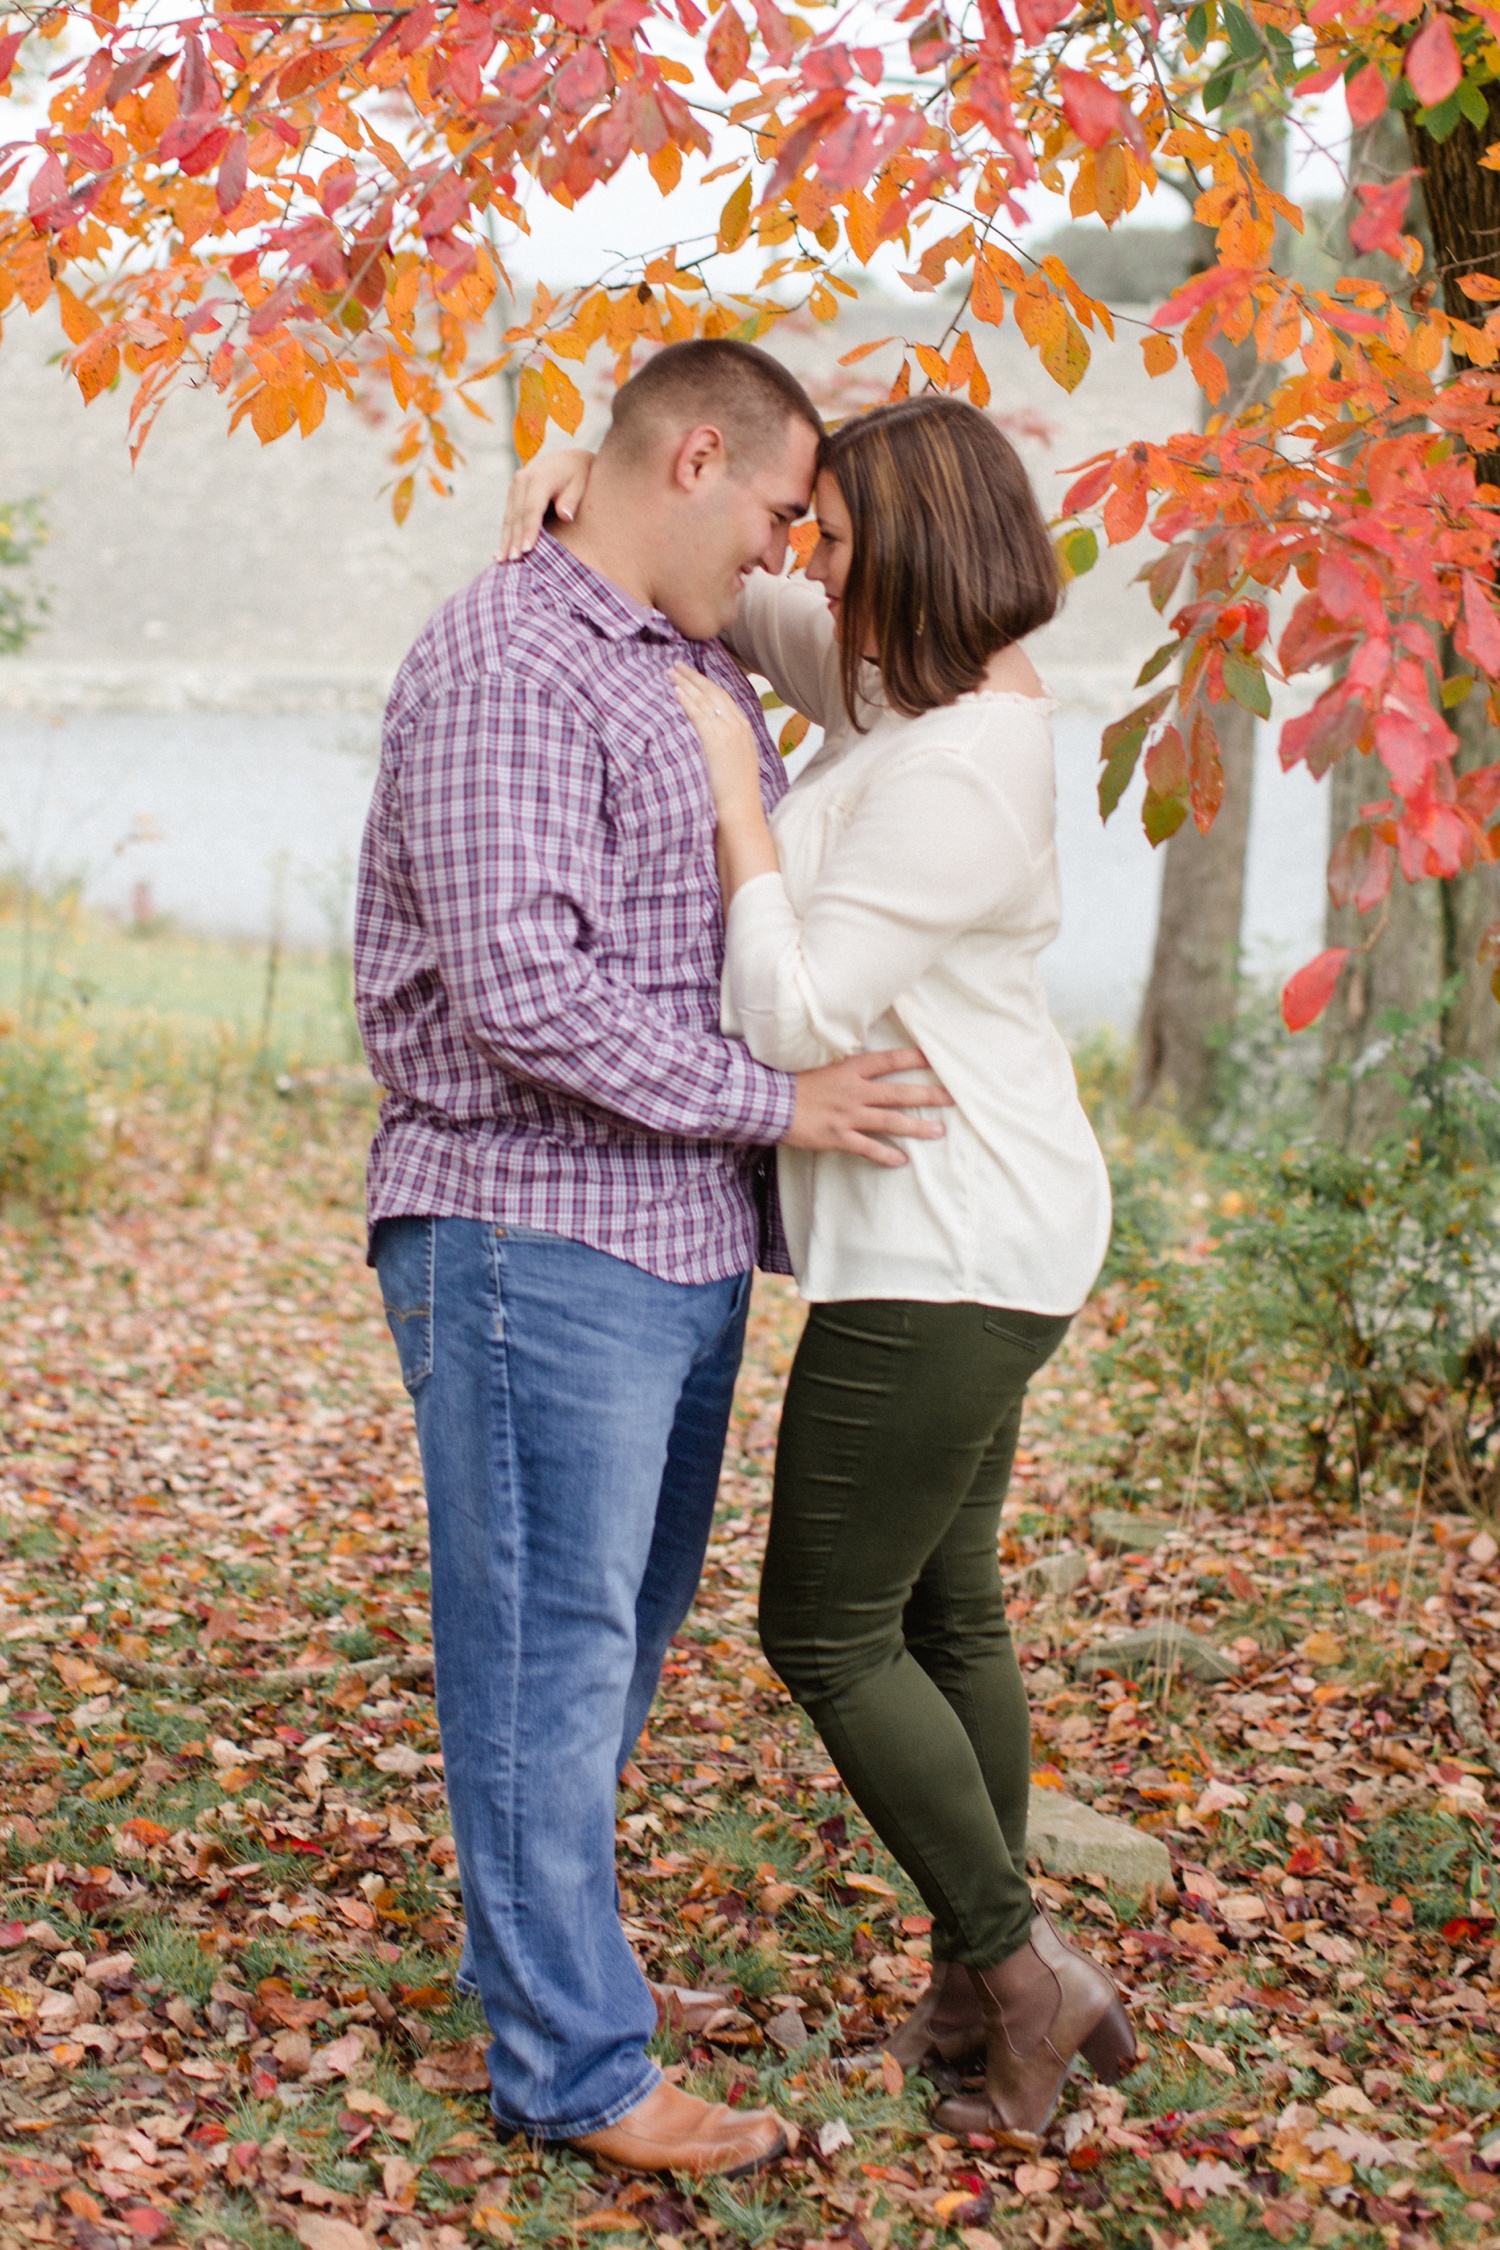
[(773, 554)]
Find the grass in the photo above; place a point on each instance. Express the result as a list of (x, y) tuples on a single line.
[(63, 965)]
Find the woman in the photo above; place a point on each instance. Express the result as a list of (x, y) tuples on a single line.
[(900, 896)]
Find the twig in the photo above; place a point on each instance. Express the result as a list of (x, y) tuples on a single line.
[(1468, 1719), (1411, 1544), (193, 1677)]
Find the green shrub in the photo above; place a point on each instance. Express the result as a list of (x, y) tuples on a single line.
[(23, 605), (1333, 1322), (46, 1136)]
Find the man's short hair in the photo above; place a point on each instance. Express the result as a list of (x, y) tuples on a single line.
[(748, 396)]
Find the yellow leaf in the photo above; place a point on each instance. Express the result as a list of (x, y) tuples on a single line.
[(802, 539), (933, 365), (78, 319), (311, 405), (94, 367), (863, 351), (965, 372), (860, 225), (665, 166), (1426, 347), (1160, 354), (791, 734), (113, 1785), (564, 399), (822, 304), (29, 269), (271, 412), (734, 219), (531, 412), (401, 499), (988, 299)]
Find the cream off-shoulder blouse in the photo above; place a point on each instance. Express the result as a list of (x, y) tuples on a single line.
[(918, 886)]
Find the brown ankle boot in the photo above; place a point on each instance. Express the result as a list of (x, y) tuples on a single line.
[(1042, 2006), (948, 2021), (671, 2131)]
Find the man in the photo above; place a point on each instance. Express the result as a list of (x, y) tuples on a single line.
[(563, 1191)]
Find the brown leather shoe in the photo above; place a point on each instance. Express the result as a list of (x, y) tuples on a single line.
[(1042, 2006), (671, 2131), (946, 2023)]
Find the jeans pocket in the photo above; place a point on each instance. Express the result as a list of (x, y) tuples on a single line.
[(1038, 1334), (405, 1251)]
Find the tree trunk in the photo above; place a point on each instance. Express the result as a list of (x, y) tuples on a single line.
[(1188, 1011), (1357, 1101), (1424, 959), (1463, 214)]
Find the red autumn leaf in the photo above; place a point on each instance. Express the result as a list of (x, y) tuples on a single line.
[(10, 47), (1090, 488), (1469, 1929), (147, 1831), (775, 31), (1434, 66), (1366, 95), (1305, 995), (1038, 17), (1219, 281), (12, 1934), (1094, 111), (47, 196), (1378, 225), (1482, 626), (146, 2223), (728, 48)]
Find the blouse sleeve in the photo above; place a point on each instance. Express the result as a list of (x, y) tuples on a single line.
[(933, 849), (782, 630)]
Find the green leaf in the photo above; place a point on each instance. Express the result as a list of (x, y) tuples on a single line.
[(1120, 748), (1244, 39), (1079, 551), (1438, 123), (1246, 682), (1219, 88), (1157, 663), (1197, 28), (1455, 689), (1161, 817), (1472, 102)]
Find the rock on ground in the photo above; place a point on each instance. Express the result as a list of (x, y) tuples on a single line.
[(1072, 1839), (1163, 1648), (1117, 1530), (1057, 1575)]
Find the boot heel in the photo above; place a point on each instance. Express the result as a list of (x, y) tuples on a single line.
[(1110, 2048)]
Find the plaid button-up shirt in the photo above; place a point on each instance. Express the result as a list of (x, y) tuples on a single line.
[(539, 936)]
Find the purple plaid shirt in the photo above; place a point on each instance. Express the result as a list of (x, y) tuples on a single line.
[(539, 936)]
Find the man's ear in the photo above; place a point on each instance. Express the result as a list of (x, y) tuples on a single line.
[(700, 458)]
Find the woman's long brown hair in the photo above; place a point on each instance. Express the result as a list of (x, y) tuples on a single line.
[(951, 558)]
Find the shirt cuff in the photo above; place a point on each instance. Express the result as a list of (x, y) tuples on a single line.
[(758, 1103)]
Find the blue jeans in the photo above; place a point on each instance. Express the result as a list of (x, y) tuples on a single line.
[(571, 1412)]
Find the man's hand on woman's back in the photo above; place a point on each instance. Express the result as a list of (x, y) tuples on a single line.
[(845, 1105)]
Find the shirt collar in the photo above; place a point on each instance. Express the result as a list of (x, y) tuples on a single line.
[(607, 607)]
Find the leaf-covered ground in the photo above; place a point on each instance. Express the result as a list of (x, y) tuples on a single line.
[(231, 1916)]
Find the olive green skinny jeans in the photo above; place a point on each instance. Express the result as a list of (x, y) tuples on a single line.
[(881, 1605)]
